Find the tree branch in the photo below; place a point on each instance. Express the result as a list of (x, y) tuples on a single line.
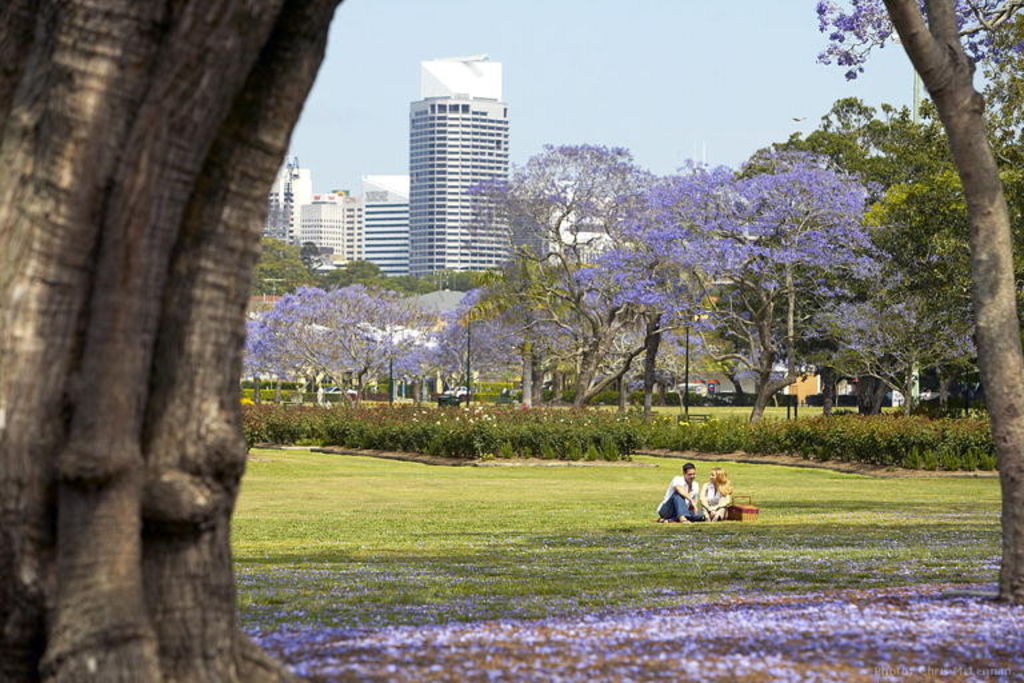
[(924, 48)]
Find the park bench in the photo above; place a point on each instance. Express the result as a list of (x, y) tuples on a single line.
[(693, 417)]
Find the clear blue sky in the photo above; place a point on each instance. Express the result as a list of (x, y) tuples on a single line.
[(665, 78)]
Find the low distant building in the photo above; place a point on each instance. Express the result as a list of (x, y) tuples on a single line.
[(441, 301), (334, 221), (386, 222)]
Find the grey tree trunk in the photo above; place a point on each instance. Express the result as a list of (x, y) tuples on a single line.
[(139, 144), (538, 380), (652, 342), (870, 395), (945, 389), (938, 56), (527, 385), (828, 389)]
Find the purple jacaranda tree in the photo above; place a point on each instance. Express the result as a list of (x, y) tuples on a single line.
[(346, 335), (772, 246), (263, 358), (492, 344), (943, 39), (564, 207), (653, 268), (893, 341), (539, 341)]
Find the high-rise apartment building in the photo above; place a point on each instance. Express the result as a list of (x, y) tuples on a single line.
[(292, 189), (386, 222), (334, 221), (459, 135)]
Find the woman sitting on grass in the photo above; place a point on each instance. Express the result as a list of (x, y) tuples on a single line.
[(716, 495)]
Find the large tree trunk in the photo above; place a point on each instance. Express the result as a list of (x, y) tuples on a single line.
[(870, 395), (140, 142), (938, 55)]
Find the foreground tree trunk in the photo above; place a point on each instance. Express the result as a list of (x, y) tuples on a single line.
[(140, 141), (938, 56)]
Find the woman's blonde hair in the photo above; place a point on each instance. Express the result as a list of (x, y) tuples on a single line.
[(721, 479)]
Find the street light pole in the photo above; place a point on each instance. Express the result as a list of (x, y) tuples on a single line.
[(686, 378), (469, 350), (391, 381)]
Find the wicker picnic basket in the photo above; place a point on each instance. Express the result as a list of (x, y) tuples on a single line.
[(742, 513)]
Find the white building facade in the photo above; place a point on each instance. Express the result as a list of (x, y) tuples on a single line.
[(292, 189), (334, 221), (459, 137), (386, 222)]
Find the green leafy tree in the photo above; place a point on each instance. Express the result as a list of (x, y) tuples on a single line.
[(355, 273), (280, 269)]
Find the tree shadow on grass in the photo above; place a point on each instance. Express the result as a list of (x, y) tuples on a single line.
[(536, 575)]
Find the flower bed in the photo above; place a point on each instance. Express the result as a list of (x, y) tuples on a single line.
[(479, 432), (473, 433), (914, 443)]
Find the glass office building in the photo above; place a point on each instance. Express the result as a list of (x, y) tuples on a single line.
[(459, 137)]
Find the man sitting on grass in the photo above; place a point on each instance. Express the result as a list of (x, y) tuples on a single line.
[(682, 499)]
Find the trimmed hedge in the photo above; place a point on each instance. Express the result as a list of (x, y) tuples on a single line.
[(914, 443), (476, 432), (490, 432)]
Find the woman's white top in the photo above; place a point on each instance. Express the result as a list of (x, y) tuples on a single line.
[(711, 494)]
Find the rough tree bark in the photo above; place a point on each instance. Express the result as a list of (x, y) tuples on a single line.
[(870, 395), (139, 142), (938, 56)]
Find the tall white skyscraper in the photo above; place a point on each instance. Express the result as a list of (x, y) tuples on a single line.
[(386, 222), (459, 135), (292, 189)]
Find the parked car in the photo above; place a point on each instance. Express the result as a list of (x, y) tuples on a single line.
[(449, 399), (351, 393)]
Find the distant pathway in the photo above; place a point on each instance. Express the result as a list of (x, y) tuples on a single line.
[(922, 633)]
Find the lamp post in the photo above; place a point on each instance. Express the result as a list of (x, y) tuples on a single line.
[(686, 376), (469, 351), (391, 381)]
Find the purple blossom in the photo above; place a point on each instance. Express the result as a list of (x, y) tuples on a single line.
[(882, 635), (855, 27)]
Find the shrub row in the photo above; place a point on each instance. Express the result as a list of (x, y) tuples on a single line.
[(479, 432), (476, 432), (915, 443)]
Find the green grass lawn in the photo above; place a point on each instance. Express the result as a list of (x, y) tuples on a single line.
[(332, 540)]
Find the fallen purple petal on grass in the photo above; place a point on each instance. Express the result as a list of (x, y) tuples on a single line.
[(892, 634)]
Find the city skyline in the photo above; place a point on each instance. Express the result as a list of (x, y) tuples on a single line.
[(670, 82)]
